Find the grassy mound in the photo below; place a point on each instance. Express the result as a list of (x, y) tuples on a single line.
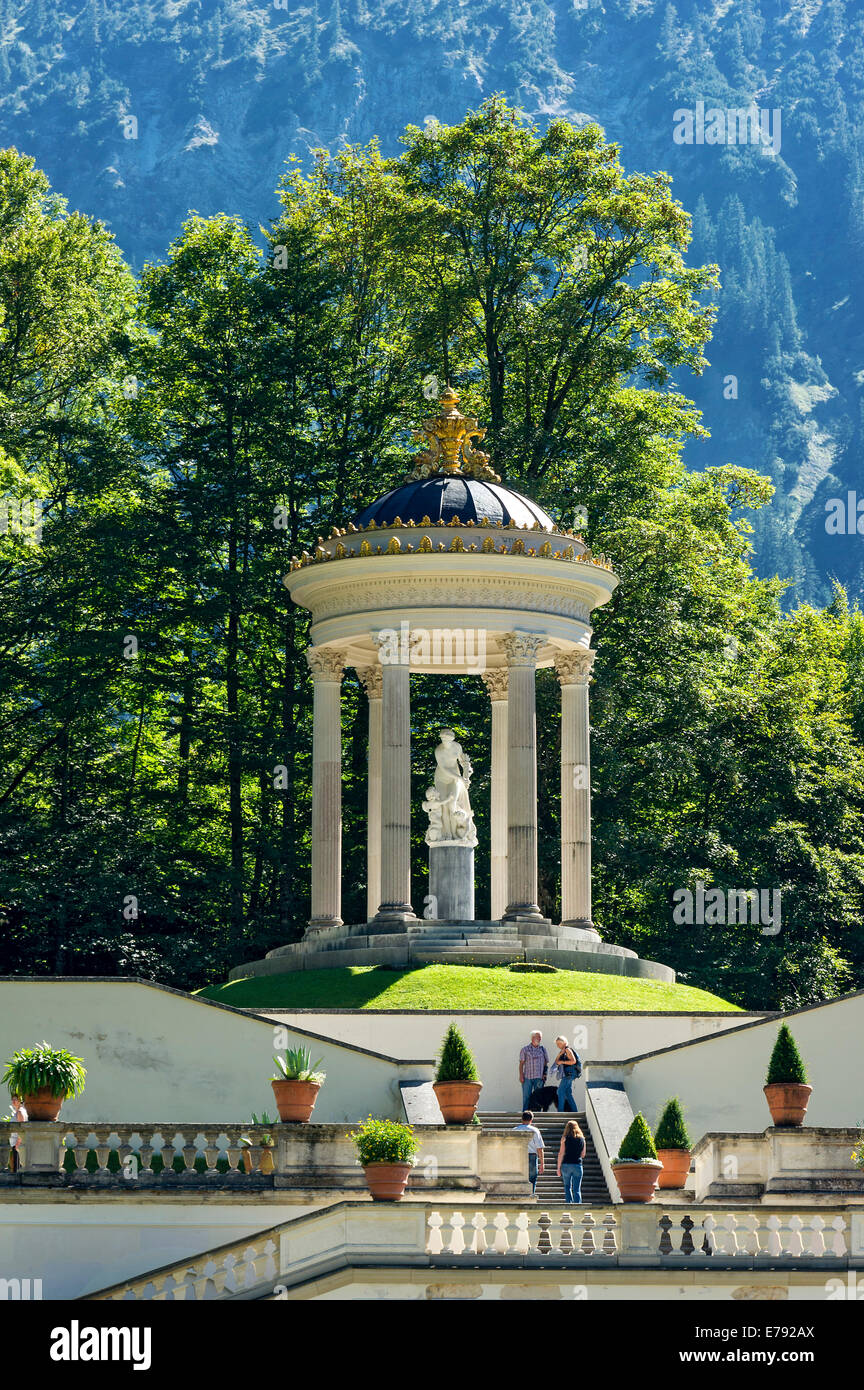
[(459, 987)]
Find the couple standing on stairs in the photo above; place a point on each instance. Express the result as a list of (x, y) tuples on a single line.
[(533, 1070)]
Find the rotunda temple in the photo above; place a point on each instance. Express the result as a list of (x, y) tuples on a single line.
[(452, 573)]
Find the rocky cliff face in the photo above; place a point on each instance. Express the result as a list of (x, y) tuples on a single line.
[(140, 111)]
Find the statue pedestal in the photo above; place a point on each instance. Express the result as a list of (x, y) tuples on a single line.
[(451, 882)]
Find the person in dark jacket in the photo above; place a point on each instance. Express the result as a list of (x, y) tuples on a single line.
[(570, 1156)]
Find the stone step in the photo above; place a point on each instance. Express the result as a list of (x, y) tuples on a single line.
[(550, 1189)]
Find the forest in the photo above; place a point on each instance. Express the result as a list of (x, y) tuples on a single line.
[(186, 430)]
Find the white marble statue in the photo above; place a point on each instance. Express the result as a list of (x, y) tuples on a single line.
[(451, 820)]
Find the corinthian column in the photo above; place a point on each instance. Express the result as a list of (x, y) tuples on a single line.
[(521, 649), (326, 666), (496, 683), (574, 672), (371, 678), (395, 906)]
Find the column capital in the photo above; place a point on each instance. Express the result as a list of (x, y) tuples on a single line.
[(496, 682), (522, 648), (574, 668), (373, 681), (325, 663)]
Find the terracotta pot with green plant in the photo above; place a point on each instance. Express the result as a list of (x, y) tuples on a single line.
[(673, 1145), (257, 1153), (786, 1088), (456, 1083), (388, 1151), (637, 1167), (296, 1088), (44, 1077)]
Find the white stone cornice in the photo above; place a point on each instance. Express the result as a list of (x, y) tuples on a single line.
[(574, 668), (325, 663), (522, 648), (496, 683)]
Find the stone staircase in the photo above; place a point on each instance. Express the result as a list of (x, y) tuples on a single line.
[(550, 1189)]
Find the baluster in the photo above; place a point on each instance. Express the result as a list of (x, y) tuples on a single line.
[(266, 1263), (145, 1153), (248, 1271), (190, 1153), (816, 1237), (219, 1278), (501, 1244), (522, 1244), (610, 1234), (81, 1149), (233, 1148), (709, 1244), (434, 1244), (212, 1154), (727, 1238), (774, 1244), (665, 1225), (457, 1239), (208, 1289), (168, 1154), (587, 1245), (566, 1245), (749, 1227), (544, 1241), (125, 1152), (254, 1151), (838, 1240), (478, 1241), (102, 1146), (796, 1245), (685, 1245)]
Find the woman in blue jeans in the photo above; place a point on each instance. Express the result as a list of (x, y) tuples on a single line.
[(565, 1063), (570, 1156)]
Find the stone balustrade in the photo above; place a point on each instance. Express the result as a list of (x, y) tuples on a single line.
[(463, 1157), (425, 1236), (779, 1160)]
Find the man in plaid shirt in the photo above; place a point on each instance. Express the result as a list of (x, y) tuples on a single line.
[(533, 1066)]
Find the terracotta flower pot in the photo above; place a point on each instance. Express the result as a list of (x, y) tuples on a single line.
[(295, 1100), (458, 1100), (637, 1182), (41, 1105), (386, 1181), (676, 1166), (787, 1101)]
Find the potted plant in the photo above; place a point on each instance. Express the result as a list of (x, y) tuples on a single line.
[(786, 1089), (388, 1151), (296, 1088), (456, 1084), (673, 1145), (264, 1141), (637, 1167), (44, 1077)]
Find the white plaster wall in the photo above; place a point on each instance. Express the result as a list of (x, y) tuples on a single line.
[(78, 1249), (719, 1080), (152, 1054), (495, 1038)]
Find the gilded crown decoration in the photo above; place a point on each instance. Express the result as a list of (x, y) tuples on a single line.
[(450, 448)]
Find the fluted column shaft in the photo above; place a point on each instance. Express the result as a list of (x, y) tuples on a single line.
[(496, 684), (395, 902), (574, 673), (371, 678), (326, 666), (521, 650)]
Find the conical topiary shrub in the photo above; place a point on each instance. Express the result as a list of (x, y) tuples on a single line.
[(787, 1064), (671, 1132), (673, 1145), (786, 1088), (457, 1084), (637, 1167), (456, 1062)]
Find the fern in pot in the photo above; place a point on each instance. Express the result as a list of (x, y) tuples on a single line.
[(44, 1077), (296, 1087)]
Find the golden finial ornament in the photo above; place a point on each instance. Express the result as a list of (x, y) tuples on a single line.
[(449, 438)]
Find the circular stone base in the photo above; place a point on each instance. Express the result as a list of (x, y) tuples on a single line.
[(466, 943)]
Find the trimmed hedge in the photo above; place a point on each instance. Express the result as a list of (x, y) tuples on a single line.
[(786, 1065)]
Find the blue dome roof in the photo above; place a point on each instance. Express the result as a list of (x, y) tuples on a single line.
[(446, 496)]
